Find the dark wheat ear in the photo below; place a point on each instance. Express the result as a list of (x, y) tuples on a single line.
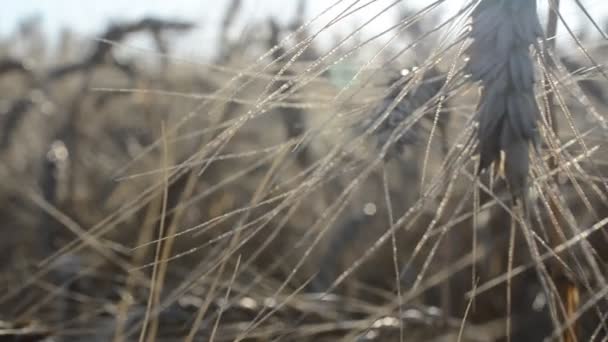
[(402, 106), (503, 32)]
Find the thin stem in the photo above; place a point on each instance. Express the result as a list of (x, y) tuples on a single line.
[(568, 291)]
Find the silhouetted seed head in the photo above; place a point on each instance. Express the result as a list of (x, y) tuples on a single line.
[(10, 119), (418, 95), (499, 57), (10, 64)]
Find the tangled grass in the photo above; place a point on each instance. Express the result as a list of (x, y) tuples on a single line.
[(307, 193)]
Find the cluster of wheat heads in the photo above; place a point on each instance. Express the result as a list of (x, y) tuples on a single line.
[(448, 185)]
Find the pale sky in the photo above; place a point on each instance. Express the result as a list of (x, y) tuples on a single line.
[(89, 17)]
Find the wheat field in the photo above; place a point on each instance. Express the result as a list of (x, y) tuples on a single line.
[(440, 180)]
